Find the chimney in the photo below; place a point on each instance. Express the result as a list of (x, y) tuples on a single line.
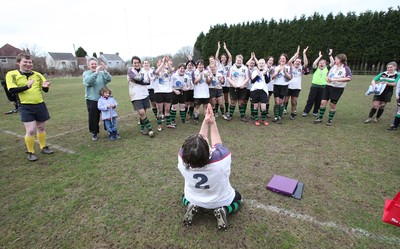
[(101, 53), (117, 53)]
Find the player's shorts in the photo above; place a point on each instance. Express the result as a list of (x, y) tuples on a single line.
[(200, 101), (163, 98), (258, 96), (141, 104), (238, 93), (386, 95), (332, 93), (294, 92), (152, 95), (189, 96), (281, 91), (215, 93), (181, 98)]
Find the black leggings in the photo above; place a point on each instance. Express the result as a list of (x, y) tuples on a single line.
[(93, 116), (314, 98)]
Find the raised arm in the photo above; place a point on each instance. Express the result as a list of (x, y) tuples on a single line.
[(251, 58), (315, 63), (331, 59), (305, 59), (217, 52), (294, 57), (228, 53), (161, 68), (214, 133)]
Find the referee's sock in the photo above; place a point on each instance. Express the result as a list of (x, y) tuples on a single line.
[(42, 139), (30, 143)]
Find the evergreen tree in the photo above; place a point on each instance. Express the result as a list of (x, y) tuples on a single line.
[(80, 52)]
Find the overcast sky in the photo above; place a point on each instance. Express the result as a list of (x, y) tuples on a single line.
[(145, 28)]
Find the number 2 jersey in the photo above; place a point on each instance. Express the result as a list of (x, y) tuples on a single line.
[(209, 187)]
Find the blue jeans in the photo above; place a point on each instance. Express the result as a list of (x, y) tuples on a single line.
[(111, 125)]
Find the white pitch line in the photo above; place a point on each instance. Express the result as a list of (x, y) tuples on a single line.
[(52, 145), (352, 231), (80, 129)]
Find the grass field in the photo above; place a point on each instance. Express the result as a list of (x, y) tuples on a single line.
[(126, 194)]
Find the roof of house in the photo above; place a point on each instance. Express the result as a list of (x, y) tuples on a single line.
[(111, 57), (62, 56), (10, 51)]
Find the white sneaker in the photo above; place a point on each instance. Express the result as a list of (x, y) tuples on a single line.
[(367, 121)]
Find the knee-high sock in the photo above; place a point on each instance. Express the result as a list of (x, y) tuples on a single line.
[(183, 116), (254, 113), (276, 111), (146, 123), (281, 108), (234, 207), (379, 114), (42, 139), (232, 110), (372, 112), (264, 115), (321, 112), (155, 111), (242, 110), (30, 143), (173, 115), (331, 114)]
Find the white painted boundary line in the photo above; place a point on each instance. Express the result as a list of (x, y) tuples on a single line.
[(52, 145), (352, 231), (80, 129)]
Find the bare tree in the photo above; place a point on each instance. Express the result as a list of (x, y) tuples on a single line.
[(182, 55), (38, 57)]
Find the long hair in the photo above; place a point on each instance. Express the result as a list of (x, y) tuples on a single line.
[(342, 58), (195, 152)]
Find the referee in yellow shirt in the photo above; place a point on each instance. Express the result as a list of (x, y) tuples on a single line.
[(28, 86)]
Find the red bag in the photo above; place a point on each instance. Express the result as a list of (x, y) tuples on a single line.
[(391, 212)]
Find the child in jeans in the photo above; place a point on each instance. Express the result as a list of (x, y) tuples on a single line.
[(107, 105)]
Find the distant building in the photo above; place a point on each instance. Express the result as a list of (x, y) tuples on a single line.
[(112, 60), (61, 61), (82, 62), (8, 57)]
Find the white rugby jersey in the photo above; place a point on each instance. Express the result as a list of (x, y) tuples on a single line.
[(338, 73), (200, 90), (137, 91), (215, 83), (295, 82), (190, 74), (180, 81), (260, 83), (280, 79), (224, 70), (152, 77), (239, 75), (209, 187), (270, 84), (250, 85), (162, 83)]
